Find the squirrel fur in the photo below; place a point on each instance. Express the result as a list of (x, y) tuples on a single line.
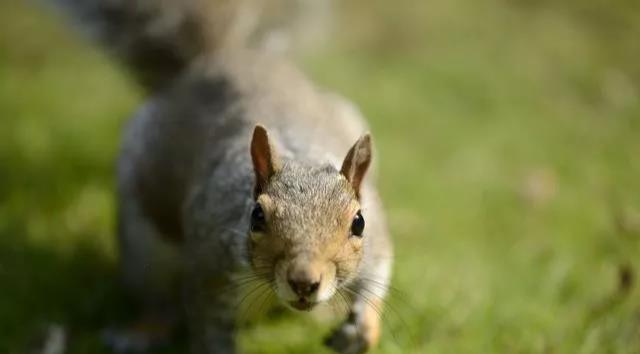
[(236, 161)]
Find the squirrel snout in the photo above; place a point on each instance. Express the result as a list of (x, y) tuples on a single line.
[(304, 281), (304, 288)]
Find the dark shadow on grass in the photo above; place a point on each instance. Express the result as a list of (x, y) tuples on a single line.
[(78, 290)]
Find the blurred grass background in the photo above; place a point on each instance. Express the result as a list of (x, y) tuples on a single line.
[(509, 140)]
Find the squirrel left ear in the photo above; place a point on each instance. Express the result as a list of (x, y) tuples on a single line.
[(357, 161), (265, 161)]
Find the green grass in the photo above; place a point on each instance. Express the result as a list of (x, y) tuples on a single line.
[(508, 134)]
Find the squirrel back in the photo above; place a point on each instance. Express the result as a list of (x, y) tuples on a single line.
[(208, 114)]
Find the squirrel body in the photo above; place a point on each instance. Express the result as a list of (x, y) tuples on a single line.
[(204, 190)]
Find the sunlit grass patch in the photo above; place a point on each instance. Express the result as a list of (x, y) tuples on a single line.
[(507, 136)]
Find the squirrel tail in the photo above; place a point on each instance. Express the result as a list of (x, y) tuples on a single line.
[(159, 39)]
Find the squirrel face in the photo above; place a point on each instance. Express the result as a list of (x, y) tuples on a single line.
[(307, 229)]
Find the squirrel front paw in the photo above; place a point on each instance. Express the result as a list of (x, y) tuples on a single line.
[(353, 337), (347, 339)]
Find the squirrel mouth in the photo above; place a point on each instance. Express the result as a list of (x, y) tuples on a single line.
[(303, 304)]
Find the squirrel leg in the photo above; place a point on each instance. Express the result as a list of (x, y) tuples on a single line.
[(211, 315), (150, 269), (361, 330), (147, 333)]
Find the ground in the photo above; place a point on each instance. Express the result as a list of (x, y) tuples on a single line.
[(508, 136)]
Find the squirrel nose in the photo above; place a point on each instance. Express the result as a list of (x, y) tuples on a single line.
[(304, 288)]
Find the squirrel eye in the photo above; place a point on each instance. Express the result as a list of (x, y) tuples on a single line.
[(357, 225), (258, 223)]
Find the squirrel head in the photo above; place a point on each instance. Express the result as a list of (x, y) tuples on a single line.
[(307, 228)]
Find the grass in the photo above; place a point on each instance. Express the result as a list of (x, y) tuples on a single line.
[(508, 137)]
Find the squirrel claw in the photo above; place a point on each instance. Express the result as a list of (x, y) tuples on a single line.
[(347, 339)]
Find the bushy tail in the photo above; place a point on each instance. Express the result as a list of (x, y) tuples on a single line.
[(158, 39)]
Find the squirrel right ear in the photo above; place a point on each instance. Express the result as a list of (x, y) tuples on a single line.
[(265, 161), (357, 161)]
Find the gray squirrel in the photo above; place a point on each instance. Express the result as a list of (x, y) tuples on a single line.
[(237, 162)]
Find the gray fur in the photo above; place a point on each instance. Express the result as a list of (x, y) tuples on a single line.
[(185, 175), (159, 39)]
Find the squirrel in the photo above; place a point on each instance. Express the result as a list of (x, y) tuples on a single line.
[(237, 161)]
